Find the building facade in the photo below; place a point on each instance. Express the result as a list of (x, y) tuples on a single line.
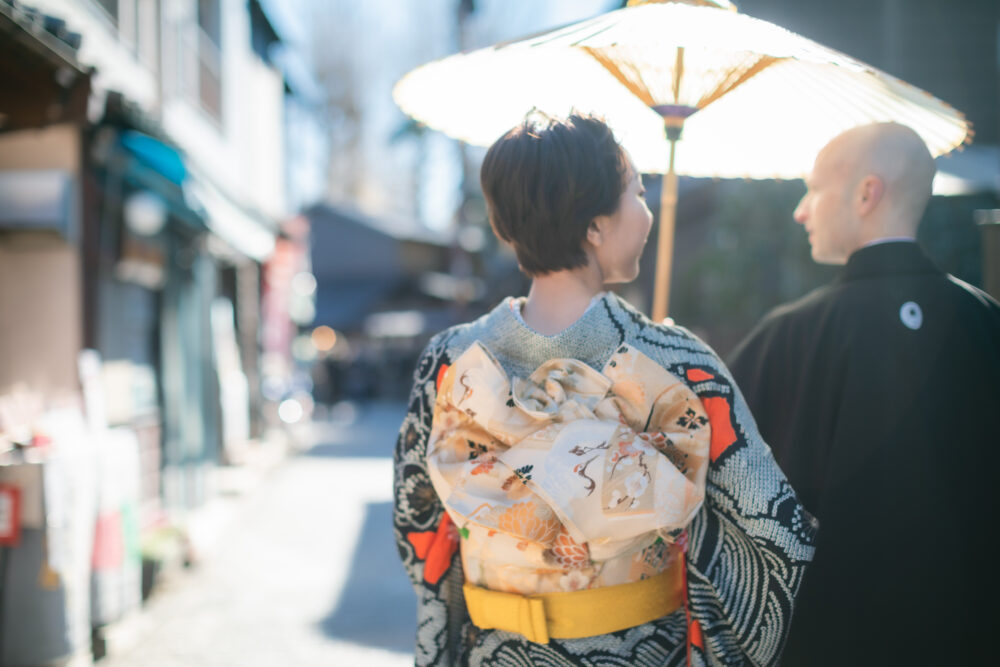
[(144, 188)]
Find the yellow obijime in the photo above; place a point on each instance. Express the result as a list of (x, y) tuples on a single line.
[(569, 480)]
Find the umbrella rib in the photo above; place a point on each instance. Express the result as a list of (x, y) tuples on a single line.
[(796, 91), (763, 63), (878, 109), (678, 74), (835, 99), (858, 102), (910, 110), (639, 91)]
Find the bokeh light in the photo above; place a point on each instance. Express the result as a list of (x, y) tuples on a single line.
[(324, 338)]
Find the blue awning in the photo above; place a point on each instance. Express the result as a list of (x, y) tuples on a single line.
[(156, 155), (148, 163), (193, 197)]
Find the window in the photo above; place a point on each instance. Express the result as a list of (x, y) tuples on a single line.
[(111, 8), (192, 61), (137, 25), (210, 20), (148, 32), (210, 57)]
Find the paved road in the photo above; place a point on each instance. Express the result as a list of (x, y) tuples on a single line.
[(305, 571)]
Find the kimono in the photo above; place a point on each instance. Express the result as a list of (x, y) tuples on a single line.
[(730, 514), (879, 394)]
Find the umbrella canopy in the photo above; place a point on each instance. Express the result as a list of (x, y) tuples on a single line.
[(754, 100)]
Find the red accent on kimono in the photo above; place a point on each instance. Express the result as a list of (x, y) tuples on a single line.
[(723, 434), (698, 375), (441, 371), (436, 548), (694, 635)]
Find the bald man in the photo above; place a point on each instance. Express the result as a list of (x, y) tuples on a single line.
[(880, 397)]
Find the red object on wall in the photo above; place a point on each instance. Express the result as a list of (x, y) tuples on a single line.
[(109, 542), (10, 515)]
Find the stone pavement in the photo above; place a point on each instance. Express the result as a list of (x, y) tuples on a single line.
[(303, 571)]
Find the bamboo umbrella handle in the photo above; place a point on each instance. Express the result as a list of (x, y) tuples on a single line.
[(665, 243)]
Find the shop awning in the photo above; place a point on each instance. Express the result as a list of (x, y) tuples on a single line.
[(148, 163), (155, 154), (245, 231), (158, 166)]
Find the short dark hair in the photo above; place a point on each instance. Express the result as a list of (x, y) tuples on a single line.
[(545, 181)]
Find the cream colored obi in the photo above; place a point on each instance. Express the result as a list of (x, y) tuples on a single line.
[(572, 478)]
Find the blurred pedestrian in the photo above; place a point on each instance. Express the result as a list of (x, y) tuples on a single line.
[(562, 452), (879, 396), (322, 383)]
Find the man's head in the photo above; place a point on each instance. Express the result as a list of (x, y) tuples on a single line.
[(868, 183)]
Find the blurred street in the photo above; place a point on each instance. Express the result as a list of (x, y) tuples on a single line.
[(304, 570), (225, 240)]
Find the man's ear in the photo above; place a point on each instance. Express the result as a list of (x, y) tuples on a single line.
[(869, 194)]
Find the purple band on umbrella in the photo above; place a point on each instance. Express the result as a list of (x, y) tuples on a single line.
[(674, 110)]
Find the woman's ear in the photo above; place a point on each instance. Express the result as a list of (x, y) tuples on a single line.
[(594, 233)]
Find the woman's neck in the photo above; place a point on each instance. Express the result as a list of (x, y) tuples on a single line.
[(557, 300)]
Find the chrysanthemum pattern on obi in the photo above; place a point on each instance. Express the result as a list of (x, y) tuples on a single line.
[(570, 478)]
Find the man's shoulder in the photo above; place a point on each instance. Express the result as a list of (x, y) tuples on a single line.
[(806, 307), (787, 324)]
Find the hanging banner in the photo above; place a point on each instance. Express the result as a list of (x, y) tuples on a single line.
[(10, 515)]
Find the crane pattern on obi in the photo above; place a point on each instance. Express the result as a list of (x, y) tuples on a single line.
[(570, 478)]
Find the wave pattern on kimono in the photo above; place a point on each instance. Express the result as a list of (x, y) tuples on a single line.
[(747, 546)]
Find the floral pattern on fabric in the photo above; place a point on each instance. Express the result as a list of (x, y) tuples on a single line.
[(748, 546), (575, 472)]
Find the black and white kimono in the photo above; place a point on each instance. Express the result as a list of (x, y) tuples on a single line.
[(747, 547)]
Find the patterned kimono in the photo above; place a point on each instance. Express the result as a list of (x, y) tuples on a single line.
[(688, 471)]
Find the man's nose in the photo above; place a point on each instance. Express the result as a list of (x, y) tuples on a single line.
[(799, 215)]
